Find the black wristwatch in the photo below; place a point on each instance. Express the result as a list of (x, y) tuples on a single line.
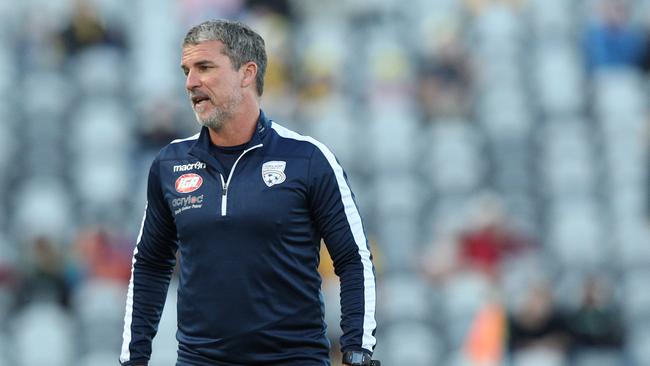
[(359, 358)]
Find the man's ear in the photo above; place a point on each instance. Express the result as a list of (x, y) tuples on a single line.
[(249, 74)]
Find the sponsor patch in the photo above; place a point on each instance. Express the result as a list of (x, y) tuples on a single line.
[(187, 183), (185, 203), (273, 172)]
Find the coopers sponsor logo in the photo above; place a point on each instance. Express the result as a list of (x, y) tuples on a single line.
[(185, 167), (185, 203), (188, 183)]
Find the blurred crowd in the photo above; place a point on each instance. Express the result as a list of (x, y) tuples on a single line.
[(499, 150)]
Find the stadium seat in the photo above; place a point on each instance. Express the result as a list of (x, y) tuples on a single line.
[(551, 19), (50, 95), (8, 146), (463, 294), (636, 297), (412, 343), (499, 31), (638, 346), (505, 123), (49, 327), (100, 308), (98, 71), (98, 358), (164, 73), (399, 239), (566, 157), (598, 357), (455, 161), (335, 128), (42, 206), (576, 233), (5, 344), (538, 356), (618, 93), (558, 78), (98, 126), (631, 242), (99, 186), (8, 67), (394, 134), (405, 296), (164, 346)]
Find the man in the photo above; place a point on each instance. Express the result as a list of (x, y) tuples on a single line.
[(246, 202)]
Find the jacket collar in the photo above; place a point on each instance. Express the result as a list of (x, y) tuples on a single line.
[(201, 147)]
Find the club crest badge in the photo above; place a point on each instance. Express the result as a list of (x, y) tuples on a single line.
[(273, 172)]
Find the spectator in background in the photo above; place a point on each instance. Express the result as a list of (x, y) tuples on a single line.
[(597, 322), (537, 324), (445, 81), (44, 277), (86, 30), (104, 254), (611, 40), (487, 241), (644, 62), (490, 239), (273, 6)]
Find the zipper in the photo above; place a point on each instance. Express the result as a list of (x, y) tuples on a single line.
[(225, 184)]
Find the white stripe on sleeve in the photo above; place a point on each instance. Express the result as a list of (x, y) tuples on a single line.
[(126, 335), (354, 220)]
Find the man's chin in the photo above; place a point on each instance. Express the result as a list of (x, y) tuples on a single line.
[(209, 122)]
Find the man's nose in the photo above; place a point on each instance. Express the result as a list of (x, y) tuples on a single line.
[(192, 81)]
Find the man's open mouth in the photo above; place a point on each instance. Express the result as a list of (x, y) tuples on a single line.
[(199, 99)]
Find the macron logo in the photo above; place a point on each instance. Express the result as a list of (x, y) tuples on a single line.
[(186, 167)]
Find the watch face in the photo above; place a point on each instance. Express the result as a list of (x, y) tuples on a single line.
[(357, 358)]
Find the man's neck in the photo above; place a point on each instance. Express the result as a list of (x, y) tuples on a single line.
[(239, 129)]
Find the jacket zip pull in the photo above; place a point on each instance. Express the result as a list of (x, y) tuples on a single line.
[(224, 195)]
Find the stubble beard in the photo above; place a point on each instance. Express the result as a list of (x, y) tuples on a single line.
[(220, 115)]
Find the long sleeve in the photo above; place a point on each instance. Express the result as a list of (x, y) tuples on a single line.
[(339, 223), (153, 262)]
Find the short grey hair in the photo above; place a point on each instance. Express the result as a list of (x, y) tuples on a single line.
[(241, 44)]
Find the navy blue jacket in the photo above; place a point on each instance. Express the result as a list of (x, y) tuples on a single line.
[(248, 245)]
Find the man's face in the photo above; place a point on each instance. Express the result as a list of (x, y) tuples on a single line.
[(214, 87)]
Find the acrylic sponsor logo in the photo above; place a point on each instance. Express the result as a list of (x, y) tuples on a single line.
[(189, 200), (185, 167), (185, 203), (187, 183)]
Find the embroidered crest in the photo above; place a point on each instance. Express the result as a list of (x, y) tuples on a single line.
[(273, 172)]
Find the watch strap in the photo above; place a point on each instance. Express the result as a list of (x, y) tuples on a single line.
[(357, 358)]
